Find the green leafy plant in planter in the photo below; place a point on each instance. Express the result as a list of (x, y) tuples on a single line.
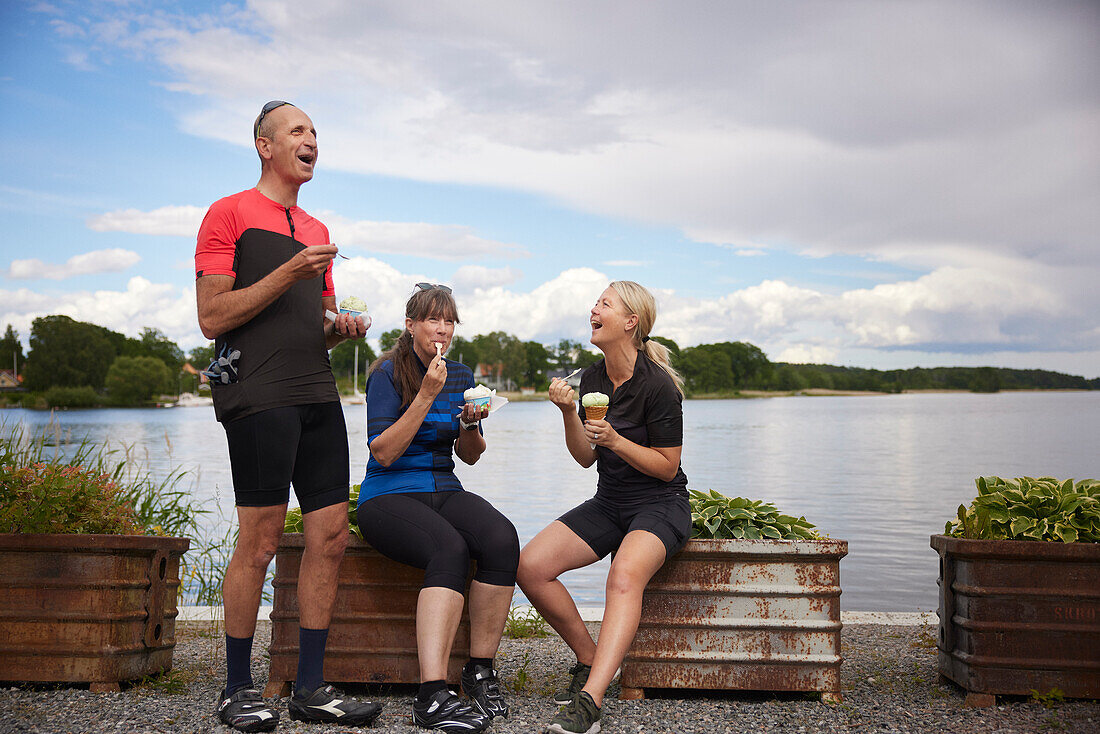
[(715, 516), (1026, 508), (294, 523)]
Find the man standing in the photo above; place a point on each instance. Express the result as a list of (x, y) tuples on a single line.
[(263, 283)]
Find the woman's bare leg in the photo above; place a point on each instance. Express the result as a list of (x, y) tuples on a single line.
[(639, 557), (552, 552)]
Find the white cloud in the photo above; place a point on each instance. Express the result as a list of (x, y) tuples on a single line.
[(627, 263), (806, 354), (112, 260), (749, 253), (143, 303), (436, 241), (470, 277), (176, 221), (732, 124)]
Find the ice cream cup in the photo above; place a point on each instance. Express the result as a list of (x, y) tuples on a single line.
[(482, 402), (354, 314)]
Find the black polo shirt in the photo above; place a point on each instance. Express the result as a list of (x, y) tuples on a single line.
[(648, 410)]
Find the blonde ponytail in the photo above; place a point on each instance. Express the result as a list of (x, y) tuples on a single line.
[(642, 304)]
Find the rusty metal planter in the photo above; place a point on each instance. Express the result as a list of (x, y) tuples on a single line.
[(372, 637), (1017, 616), (95, 609), (741, 615)]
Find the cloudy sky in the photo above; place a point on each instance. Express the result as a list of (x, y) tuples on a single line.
[(882, 184)]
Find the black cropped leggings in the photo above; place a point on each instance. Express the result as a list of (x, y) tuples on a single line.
[(441, 532)]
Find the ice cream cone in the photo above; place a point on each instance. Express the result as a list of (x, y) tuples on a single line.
[(595, 412)]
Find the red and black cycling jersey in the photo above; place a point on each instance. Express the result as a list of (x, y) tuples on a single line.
[(283, 356)]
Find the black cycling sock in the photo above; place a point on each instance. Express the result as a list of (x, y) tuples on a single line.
[(238, 664), (483, 662), (311, 659), (429, 688)]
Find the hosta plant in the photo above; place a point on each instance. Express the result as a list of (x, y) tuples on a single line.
[(715, 516), (1031, 509)]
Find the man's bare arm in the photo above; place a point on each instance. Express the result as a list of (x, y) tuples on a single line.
[(222, 309)]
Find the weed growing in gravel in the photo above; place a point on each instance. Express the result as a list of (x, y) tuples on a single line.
[(171, 682), (524, 622), (1050, 699), (522, 678), (926, 641), (1052, 722)]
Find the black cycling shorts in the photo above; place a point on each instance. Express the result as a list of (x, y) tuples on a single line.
[(603, 525), (303, 445), (441, 532)]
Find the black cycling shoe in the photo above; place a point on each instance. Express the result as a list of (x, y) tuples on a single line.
[(245, 710), (325, 705), (445, 711), (483, 688)]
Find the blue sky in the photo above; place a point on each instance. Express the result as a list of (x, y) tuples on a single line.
[(875, 184)]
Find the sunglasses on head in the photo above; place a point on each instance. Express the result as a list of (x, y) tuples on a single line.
[(272, 105), (429, 286)]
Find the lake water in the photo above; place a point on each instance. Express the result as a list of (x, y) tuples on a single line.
[(882, 472)]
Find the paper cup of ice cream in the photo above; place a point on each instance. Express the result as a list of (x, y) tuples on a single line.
[(479, 396), (354, 306)]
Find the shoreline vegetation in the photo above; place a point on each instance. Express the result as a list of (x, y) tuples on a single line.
[(72, 364)]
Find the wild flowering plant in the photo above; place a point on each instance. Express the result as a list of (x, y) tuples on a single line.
[(58, 498), (1029, 508), (50, 483)]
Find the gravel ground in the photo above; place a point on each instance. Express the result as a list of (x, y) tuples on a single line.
[(889, 679)]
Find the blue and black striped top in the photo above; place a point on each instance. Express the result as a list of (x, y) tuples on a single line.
[(428, 463)]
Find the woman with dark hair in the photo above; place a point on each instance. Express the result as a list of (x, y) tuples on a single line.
[(413, 509), (640, 510)]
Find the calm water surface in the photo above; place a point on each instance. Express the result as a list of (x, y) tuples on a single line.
[(882, 472)]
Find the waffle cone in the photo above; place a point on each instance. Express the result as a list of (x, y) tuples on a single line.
[(595, 412)]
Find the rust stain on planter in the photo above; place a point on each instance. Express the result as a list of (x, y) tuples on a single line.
[(372, 638), (1017, 616), (87, 608), (741, 614)]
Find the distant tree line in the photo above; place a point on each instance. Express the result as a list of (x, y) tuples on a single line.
[(75, 364)]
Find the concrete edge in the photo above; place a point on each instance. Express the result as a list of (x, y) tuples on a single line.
[(595, 614)]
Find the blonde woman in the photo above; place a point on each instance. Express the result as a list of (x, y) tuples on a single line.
[(640, 509)]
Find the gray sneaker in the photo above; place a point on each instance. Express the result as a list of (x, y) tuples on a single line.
[(579, 716), (580, 673)]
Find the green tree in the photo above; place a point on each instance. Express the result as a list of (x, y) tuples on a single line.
[(747, 362), (985, 379), (389, 338), (464, 351), (201, 357), (135, 380), (706, 368), (538, 362), (11, 350), (342, 359), (153, 343), (68, 353)]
